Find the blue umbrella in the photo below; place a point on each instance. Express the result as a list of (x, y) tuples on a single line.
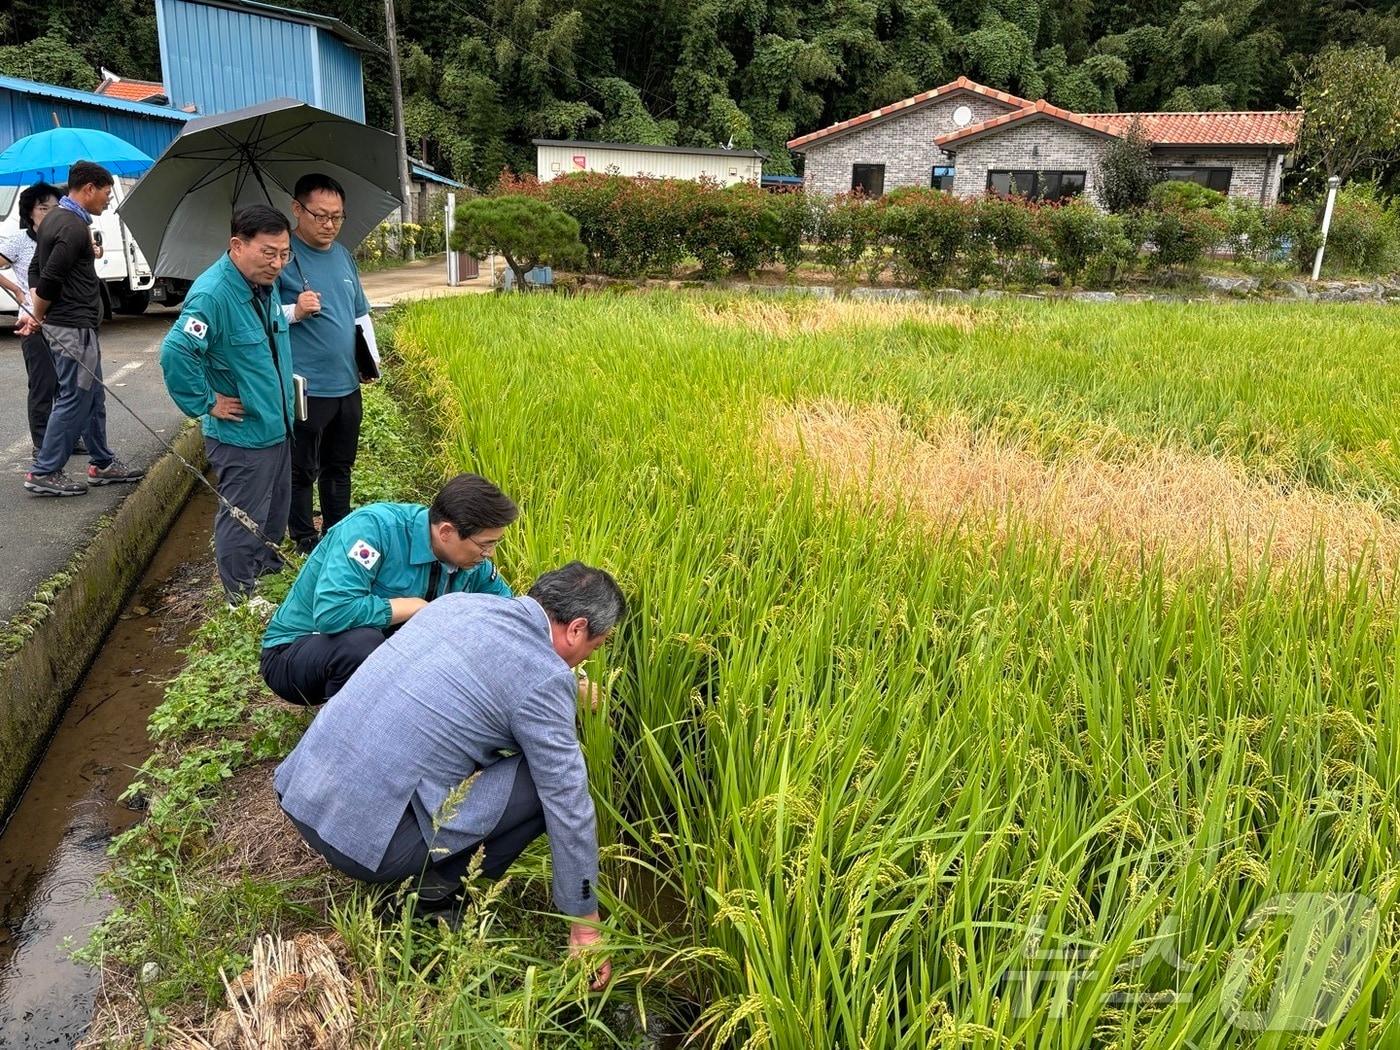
[(46, 157)]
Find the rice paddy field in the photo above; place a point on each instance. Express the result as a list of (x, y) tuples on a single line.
[(1020, 675)]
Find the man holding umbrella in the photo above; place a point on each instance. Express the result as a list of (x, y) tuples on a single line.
[(228, 361), (322, 296)]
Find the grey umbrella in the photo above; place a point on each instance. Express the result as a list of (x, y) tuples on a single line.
[(179, 212)]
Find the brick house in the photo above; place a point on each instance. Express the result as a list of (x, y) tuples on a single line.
[(970, 139)]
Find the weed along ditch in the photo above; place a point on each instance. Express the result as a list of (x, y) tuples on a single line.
[(54, 845)]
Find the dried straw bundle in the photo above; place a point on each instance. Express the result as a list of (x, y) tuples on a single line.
[(295, 996)]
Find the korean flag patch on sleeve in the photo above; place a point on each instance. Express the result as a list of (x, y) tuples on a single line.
[(363, 554), (195, 327)]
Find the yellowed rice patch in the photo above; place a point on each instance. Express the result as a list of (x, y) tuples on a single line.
[(1192, 509), (789, 316)]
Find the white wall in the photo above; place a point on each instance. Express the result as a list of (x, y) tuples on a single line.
[(553, 161)]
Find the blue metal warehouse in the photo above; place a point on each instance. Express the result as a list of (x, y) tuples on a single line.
[(27, 106), (216, 55), (219, 55)]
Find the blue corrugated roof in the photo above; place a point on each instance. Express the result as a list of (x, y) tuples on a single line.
[(87, 98), (418, 171)]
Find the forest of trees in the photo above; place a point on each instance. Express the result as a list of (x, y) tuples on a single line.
[(482, 77)]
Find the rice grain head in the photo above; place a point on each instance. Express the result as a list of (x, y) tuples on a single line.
[(794, 315), (1187, 508)]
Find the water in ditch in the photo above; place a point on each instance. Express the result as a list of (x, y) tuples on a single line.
[(54, 846)]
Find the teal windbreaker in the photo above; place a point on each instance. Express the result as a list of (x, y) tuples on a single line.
[(228, 342)]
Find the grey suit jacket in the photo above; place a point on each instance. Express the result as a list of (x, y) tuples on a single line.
[(468, 677)]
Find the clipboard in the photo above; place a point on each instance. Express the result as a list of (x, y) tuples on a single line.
[(299, 389), (366, 349)]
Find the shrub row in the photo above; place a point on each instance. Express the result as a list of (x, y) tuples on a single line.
[(636, 227), (632, 227)]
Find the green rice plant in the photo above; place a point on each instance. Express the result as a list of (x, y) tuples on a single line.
[(872, 782)]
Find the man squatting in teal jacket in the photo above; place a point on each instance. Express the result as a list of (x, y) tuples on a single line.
[(373, 571)]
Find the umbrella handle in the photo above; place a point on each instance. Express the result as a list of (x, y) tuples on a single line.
[(257, 174)]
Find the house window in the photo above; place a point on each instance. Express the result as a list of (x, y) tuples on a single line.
[(869, 179), (1211, 178), (1036, 185), (942, 178)]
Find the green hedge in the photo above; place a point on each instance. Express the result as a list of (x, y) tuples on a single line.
[(921, 236)]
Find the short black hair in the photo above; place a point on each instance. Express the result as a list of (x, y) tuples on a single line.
[(86, 173), (576, 591), (33, 195), (253, 219), (315, 180), (471, 503)]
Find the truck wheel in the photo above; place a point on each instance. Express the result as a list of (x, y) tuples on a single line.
[(133, 302)]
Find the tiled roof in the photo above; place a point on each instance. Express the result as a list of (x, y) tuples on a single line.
[(131, 90), (1239, 128), (1242, 128), (961, 84), (1039, 108)]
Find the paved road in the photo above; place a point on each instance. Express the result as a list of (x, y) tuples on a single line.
[(38, 536)]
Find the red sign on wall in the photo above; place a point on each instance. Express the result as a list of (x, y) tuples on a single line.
[(580, 161)]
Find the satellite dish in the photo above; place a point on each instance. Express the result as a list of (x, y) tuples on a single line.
[(962, 116)]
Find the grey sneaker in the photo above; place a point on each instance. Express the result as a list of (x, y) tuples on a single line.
[(114, 473), (55, 484)]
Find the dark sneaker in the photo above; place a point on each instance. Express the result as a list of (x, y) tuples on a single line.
[(114, 473), (80, 449), (55, 484), (448, 909)]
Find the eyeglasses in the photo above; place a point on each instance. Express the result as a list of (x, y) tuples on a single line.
[(324, 218), (488, 548), (273, 255)]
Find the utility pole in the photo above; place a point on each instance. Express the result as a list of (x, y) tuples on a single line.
[(406, 209)]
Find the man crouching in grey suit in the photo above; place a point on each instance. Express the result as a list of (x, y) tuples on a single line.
[(375, 785)]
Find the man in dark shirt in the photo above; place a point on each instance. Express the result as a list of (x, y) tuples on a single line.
[(68, 307)]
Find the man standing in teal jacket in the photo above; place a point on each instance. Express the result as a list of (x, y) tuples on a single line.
[(228, 361), (374, 570)]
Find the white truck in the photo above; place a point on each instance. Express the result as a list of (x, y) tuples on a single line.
[(131, 286)]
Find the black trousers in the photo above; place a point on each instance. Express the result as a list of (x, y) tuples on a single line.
[(43, 384), (409, 855), (323, 455), (313, 669)]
